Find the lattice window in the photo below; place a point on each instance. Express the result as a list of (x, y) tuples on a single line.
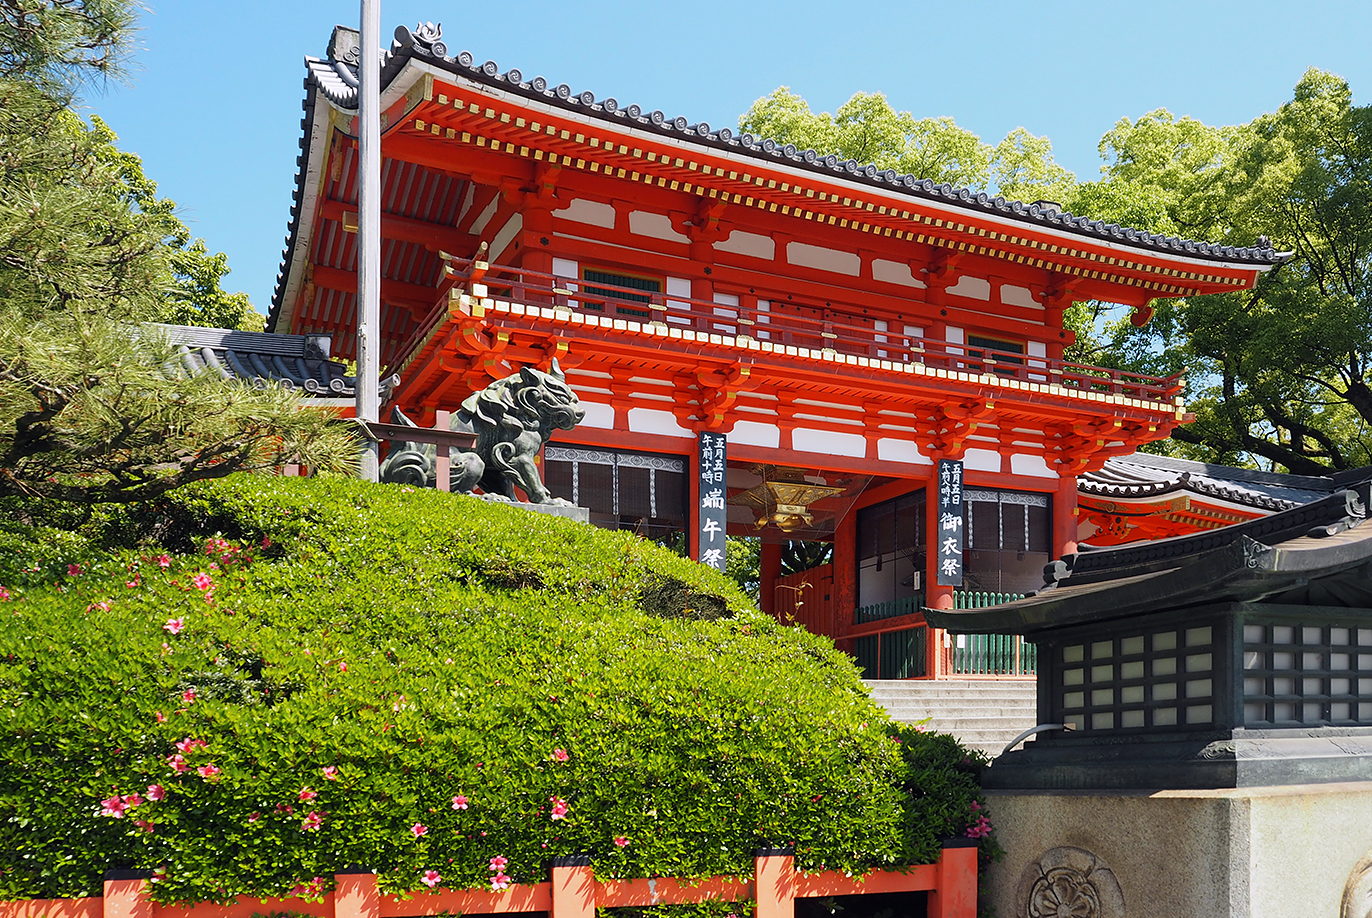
[(641, 492), (1162, 679), (1306, 674)]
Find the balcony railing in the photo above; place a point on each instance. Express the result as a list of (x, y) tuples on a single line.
[(789, 323), (880, 611), (990, 654)]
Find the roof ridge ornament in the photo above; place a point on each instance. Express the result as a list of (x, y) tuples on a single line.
[(426, 37)]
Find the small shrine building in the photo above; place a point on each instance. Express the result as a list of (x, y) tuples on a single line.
[(767, 341)]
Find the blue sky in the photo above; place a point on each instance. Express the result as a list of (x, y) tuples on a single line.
[(213, 105)]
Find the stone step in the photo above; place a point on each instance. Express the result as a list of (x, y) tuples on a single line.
[(983, 714)]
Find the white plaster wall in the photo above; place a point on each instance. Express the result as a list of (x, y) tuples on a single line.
[(598, 414), (895, 272), (755, 433), (658, 226), (890, 449), (977, 288), (580, 210), (982, 460), (1026, 464), (1012, 295), (810, 440), (751, 244), (656, 421), (814, 256)]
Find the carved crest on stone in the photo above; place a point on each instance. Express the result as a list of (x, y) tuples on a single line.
[(1069, 881)]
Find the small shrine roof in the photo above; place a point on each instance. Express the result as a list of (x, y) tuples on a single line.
[(258, 358), (1312, 554), (335, 79), (1141, 476)]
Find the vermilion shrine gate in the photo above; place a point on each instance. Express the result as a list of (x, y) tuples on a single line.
[(831, 333)]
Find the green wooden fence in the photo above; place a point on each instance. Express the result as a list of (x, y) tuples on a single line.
[(881, 611), (990, 654)]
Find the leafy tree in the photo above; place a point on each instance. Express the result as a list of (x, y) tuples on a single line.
[(88, 254), (866, 128), (1279, 374), (57, 45)]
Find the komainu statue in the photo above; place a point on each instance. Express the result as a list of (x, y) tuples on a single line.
[(512, 419)]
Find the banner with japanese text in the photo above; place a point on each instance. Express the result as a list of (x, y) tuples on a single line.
[(950, 523), (713, 491)]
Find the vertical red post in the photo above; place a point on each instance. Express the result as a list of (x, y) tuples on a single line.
[(573, 887), (956, 893), (442, 465), (1065, 517), (775, 882), (125, 895), (355, 895)]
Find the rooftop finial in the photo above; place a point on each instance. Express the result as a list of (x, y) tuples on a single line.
[(428, 36)]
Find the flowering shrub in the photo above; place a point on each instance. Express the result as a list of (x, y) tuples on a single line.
[(258, 681)]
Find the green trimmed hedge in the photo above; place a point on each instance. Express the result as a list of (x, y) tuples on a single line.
[(346, 659)]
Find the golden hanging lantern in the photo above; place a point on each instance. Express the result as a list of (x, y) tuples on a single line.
[(783, 498)]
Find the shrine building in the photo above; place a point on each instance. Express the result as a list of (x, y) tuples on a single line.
[(767, 341)]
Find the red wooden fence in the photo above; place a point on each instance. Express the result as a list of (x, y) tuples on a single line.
[(572, 892)]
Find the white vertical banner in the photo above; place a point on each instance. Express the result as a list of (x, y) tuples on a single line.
[(713, 514)]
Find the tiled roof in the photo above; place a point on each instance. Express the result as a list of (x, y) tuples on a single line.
[(291, 361), (335, 78), (1141, 475)]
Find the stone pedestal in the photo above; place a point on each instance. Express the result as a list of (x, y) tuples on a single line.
[(580, 514), (1295, 851)]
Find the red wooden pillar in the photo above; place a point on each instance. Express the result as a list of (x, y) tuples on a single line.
[(775, 873), (843, 608), (1065, 517), (770, 572), (955, 895), (355, 895), (573, 887), (125, 895)]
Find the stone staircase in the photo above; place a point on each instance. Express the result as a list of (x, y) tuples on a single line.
[(984, 714)]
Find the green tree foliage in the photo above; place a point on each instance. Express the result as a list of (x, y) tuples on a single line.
[(1278, 375), (57, 45), (340, 662), (91, 408), (866, 128)]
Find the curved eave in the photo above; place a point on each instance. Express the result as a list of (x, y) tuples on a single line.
[(408, 58)]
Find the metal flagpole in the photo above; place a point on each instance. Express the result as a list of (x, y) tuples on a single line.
[(369, 231)]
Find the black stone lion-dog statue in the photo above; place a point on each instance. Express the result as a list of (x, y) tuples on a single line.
[(512, 419)]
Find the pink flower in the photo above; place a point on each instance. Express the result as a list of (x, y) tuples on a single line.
[(459, 802), (559, 808), (161, 718), (113, 806), (499, 882), (331, 773), (156, 792), (308, 891), (979, 829), (163, 562), (4, 594), (144, 824), (178, 763), (621, 841), (73, 570), (418, 830), (103, 605), (132, 800), (208, 772), (498, 863), (285, 808), (174, 625), (189, 745), (188, 696), (312, 822), (560, 755), (202, 581), (306, 794), (131, 583), (342, 666), (431, 878), (253, 817)]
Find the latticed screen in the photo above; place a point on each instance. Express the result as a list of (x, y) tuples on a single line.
[(1009, 536), (890, 548), (641, 492), (648, 285), (893, 654), (1161, 679), (1306, 674)]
